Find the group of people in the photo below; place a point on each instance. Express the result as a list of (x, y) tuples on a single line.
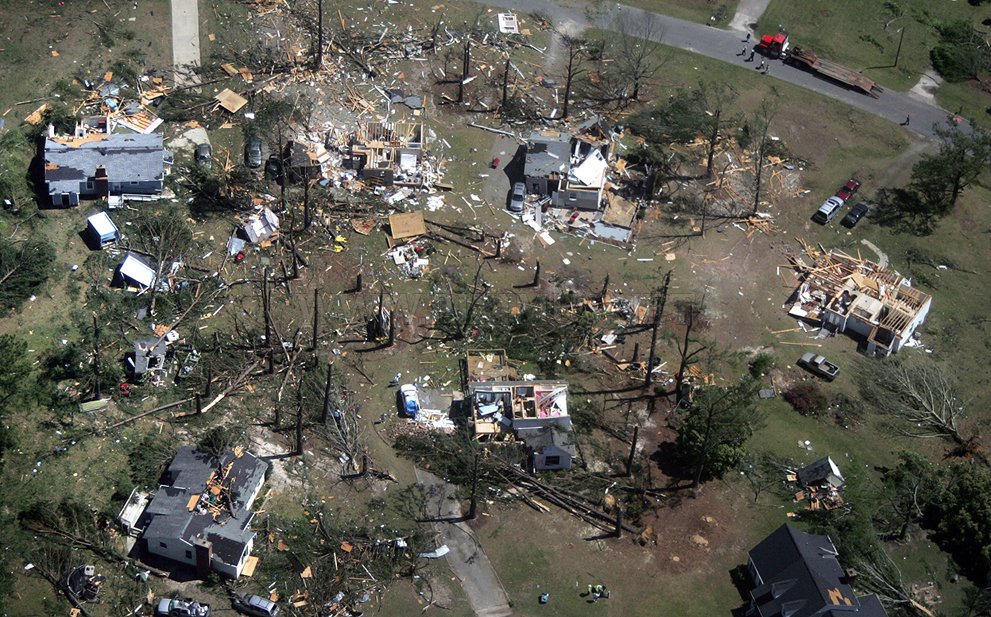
[(597, 591)]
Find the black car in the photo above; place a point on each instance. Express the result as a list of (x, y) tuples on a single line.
[(253, 152), (273, 168), (854, 215), (203, 155)]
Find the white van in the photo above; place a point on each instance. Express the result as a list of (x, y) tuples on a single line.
[(828, 210)]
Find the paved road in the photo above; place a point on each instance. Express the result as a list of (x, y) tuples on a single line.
[(725, 44), (185, 39), (466, 559)]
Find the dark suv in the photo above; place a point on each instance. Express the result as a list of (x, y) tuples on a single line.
[(253, 152)]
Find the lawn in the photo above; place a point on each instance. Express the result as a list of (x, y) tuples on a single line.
[(866, 35), (47, 45)]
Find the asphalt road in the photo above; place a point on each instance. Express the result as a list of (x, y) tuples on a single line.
[(467, 560), (726, 44), (185, 39)]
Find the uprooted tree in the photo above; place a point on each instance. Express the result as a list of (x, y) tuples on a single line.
[(921, 398), (164, 236)]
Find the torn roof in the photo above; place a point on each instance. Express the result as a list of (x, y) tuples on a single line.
[(127, 158), (591, 171), (548, 152)]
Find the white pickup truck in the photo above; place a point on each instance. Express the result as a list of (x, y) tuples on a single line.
[(818, 365)]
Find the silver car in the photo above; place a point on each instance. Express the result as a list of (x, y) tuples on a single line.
[(257, 606), (519, 195)]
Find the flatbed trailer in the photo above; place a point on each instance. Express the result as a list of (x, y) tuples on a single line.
[(811, 61)]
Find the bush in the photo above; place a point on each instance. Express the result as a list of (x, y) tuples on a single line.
[(806, 398), (761, 365)]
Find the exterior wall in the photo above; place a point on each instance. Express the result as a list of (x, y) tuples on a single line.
[(859, 326), (583, 200), (537, 186), (139, 188), (540, 459), (233, 570), (834, 319), (175, 549)]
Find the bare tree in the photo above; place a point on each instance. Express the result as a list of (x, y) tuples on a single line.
[(577, 48), (716, 97), (163, 235), (688, 347), (921, 397), (760, 137), (879, 574), (638, 57)]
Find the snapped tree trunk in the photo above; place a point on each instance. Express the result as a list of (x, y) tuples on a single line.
[(327, 389), (97, 392)]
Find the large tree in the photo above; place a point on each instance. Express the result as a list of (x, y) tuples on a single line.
[(964, 521), (577, 49), (24, 267), (939, 178), (908, 492), (713, 435)]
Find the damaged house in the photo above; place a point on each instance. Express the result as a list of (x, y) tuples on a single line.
[(201, 514), (533, 413), (846, 294), (100, 166), (387, 153), (797, 574), (570, 168)]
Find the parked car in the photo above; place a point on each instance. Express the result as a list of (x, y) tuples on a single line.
[(848, 189), (518, 197), (253, 152), (273, 168), (203, 155), (828, 210), (818, 365), (410, 399), (854, 215), (171, 607), (256, 605)]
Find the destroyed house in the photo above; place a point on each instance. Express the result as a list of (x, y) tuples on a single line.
[(201, 514), (149, 356), (569, 168), (550, 447), (99, 166), (796, 574), (847, 294), (386, 153), (823, 472)]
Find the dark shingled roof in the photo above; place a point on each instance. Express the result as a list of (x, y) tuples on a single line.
[(127, 158), (800, 577), (186, 477), (549, 152)]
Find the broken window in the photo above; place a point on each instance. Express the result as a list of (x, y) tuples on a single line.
[(552, 460), (163, 545)]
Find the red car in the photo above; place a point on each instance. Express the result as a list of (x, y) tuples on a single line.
[(848, 189)]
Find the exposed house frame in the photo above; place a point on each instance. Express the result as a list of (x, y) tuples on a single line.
[(388, 153), (848, 294)]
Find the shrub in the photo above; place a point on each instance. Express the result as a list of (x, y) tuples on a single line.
[(806, 398), (761, 365)]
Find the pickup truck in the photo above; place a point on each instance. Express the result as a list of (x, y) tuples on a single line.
[(181, 608), (818, 365)]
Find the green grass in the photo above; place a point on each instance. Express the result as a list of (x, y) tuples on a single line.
[(966, 99), (865, 35)]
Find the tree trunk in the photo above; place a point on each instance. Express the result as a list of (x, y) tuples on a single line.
[(316, 318), (567, 85), (307, 218), (299, 427), (662, 298), (713, 137), (465, 66), (327, 389), (473, 506), (97, 391), (633, 452), (320, 34), (505, 87)]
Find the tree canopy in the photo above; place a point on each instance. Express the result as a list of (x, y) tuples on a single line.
[(712, 438), (962, 52), (24, 267)]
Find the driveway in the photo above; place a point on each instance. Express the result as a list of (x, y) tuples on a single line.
[(466, 558), (726, 44), (185, 40)]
